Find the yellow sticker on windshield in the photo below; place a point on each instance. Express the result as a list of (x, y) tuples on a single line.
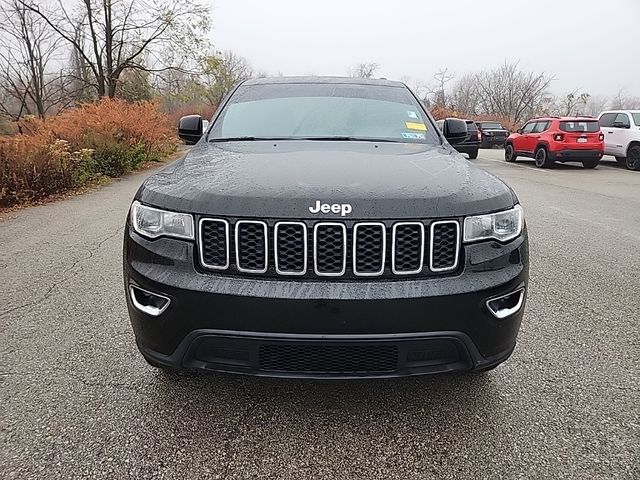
[(416, 126)]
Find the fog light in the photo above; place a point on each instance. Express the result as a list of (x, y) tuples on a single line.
[(506, 305), (147, 302)]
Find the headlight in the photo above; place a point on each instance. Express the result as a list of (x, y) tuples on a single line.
[(501, 226), (152, 222)]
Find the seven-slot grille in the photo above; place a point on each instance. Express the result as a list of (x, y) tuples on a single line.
[(329, 249)]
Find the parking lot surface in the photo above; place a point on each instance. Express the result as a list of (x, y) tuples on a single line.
[(78, 401)]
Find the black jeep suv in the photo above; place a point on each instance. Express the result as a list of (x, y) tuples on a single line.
[(471, 143), (492, 134), (324, 227)]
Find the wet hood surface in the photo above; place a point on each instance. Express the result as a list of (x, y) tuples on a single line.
[(282, 179)]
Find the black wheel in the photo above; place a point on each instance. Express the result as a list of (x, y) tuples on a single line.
[(621, 161), (590, 163), (484, 144), (509, 153), (633, 158), (473, 154), (542, 158)]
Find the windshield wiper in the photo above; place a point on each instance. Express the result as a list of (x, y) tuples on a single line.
[(345, 138), (333, 138), (245, 139)]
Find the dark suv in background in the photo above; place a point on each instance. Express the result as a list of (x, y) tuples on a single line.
[(491, 134), (471, 143)]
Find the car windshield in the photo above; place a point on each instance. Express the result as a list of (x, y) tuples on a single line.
[(321, 111), (580, 126), (636, 118), (495, 126)]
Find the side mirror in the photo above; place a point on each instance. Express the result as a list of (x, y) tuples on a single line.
[(621, 125), (454, 130), (190, 129), (519, 131)]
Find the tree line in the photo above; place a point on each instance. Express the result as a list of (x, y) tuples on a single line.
[(59, 53)]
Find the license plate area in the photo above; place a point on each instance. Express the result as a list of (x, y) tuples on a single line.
[(582, 140)]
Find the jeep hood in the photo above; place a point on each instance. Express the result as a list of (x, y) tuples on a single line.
[(282, 179)]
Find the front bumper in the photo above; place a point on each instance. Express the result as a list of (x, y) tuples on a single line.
[(320, 329), (493, 141)]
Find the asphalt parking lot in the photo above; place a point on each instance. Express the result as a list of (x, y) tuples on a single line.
[(78, 401)]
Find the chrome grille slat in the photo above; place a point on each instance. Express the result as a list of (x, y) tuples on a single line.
[(213, 255), (444, 245), (287, 254), (400, 248), (373, 237), (321, 265), (252, 246)]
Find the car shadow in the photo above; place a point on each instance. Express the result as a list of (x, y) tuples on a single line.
[(555, 166), (275, 410)]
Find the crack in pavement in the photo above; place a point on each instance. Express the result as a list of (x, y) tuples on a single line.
[(65, 277)]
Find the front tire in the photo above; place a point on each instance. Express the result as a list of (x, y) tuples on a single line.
[(542, 158), (633, 158), (509, 153), (590, 163)]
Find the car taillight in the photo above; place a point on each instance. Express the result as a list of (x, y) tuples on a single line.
[(479, 135), (558, 137), (601, 137)]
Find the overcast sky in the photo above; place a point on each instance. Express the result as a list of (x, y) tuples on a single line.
[(592, 45)]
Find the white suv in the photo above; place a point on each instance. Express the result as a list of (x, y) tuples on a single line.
[(621, 130)]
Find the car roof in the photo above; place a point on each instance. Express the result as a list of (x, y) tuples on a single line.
[(324, 80), (564, 119)]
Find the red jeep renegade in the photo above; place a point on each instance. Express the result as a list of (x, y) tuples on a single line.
[(557, 139)]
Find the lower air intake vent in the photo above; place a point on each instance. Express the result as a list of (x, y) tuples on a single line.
[(328, 358)]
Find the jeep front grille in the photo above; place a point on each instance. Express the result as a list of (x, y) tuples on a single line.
[(312, 249)]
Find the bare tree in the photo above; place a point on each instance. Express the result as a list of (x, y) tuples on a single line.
[(509, 92), (221, 73), (622, 101), (595, 104), (110, 37), (365, 70), (571, 104), (465, 97), (29, 46), (438, 89)]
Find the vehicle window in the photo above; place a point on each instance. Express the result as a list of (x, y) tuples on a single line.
[(528, 128), (623, 120), (491, 126), (471, 127), (541, 127), (580, 126), (317, 110), (636, 118), (606, 120)]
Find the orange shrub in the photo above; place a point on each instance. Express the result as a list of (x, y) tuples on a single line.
[(204, 110), (110, 138)]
